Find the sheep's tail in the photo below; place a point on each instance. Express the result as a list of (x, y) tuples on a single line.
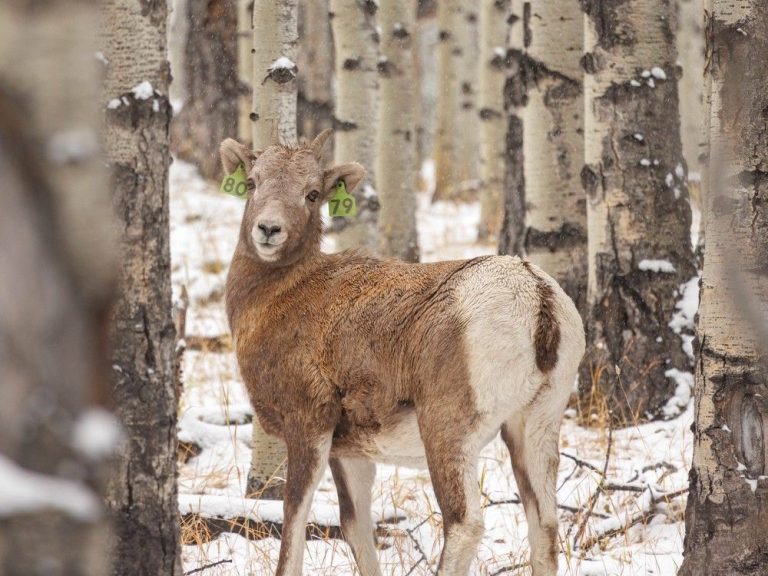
[(547, 334)]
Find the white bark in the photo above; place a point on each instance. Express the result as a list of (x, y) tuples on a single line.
[(725, 517), (467, 142), (355, 117), (447, 135), (178, 30), (690, 49), (494, 32), (396, 142), (275, 40), (315, 99), (244, 68), (553, 145), (637, 204)]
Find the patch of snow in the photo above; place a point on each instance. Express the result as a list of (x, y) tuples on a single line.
[(658, 73), (114, 104), (687, 306), (634, 83), (282, 62), (676, 191), (679, 171), (725, 428), (682, 397), (101, 58), (664, 266), (651, 83), (645, 73), (143, 90), (155, 105), (23, 491), (72, 146), (500, 52), (645, 162), (96, 433), (669, 180), (752, 483), (639, 137)]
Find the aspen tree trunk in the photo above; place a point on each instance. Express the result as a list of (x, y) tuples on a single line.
[(512, 234), (355, 117), (58, 267), (142, 493), (728, 499), (447, 135), (553, 143), (210, 112), (396, 141), (466, 121), (273, 119), (245, 69), (315, 100), (494, 31), (275, 37), (638, 212), (426, 72)]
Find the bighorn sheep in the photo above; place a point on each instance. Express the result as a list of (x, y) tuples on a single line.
[(356, 360)]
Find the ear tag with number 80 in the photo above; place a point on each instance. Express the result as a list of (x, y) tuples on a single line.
[(234, 183), (342, 203)]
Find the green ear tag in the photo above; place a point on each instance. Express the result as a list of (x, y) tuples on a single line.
[(234, 183), (342, 203)]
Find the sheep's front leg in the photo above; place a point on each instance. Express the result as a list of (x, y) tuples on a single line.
[(307, 458)]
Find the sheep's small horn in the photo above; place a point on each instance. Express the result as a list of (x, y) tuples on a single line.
[(319, 142)]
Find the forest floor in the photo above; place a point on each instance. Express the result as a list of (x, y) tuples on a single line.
[(621, 493)]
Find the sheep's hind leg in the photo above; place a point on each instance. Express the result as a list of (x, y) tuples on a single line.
[(354, 478), (306, 464), (453, 469), (533, 446)]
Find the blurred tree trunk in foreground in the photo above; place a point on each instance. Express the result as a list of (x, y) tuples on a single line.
[(726, 517), (210, 112), (396, 155), (275, 38), (494, 31), (553, 143), (355, 116), (638, 211), (275, 35), (57, 262), (512, 233), (315, 100), (143, 488)]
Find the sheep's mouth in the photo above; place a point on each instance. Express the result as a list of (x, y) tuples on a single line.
[(267, 249)]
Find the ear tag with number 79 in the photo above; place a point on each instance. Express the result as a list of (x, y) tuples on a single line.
[(234, 183), (342, 203)]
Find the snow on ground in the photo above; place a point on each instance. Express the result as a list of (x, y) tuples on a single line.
[(642, 524)]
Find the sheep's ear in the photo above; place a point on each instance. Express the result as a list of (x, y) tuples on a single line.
[(233, 154), (351, 173)]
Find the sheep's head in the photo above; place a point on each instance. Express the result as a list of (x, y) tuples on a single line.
[(286, 188)]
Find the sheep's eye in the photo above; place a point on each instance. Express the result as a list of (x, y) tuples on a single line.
[(313, 196), (250, 184)]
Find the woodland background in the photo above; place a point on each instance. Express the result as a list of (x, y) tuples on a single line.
[(620, 144)]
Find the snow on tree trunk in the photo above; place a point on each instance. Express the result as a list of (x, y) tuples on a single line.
[(638, 210), (244, 69), (494, 30), (446, 149), (396, 141), (512, 232), (468, 140), (275, 38), (57, 254), (210, 112), (728, 500), (142, 492), (553, 143), (315, 100), (355, 117), (273, 116)]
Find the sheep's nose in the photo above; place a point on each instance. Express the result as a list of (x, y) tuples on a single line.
[(269, 229)]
